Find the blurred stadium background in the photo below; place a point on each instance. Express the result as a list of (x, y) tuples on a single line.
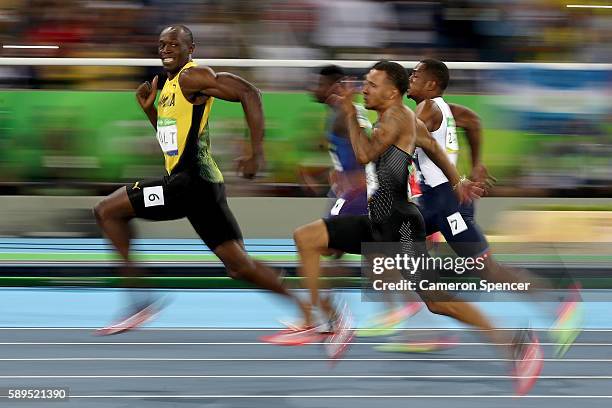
[(70, 133)]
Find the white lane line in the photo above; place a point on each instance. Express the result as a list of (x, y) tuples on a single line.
[(44, 47), (310, 377), (179, 359), (223, 329), (29, 343), (589, 6), (348, 396)]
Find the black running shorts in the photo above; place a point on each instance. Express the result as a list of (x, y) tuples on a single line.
[(403, 232), (405, 224), (186, 194)]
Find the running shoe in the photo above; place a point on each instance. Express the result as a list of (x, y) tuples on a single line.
[(136, 319), (528, 361), (387, 323), (296, 336), (339, 341), (568, 325)]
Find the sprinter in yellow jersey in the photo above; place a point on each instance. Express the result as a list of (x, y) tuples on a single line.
[(193, 186)]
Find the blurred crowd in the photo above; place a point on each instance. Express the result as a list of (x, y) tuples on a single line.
[(466, 30), (488, 30)]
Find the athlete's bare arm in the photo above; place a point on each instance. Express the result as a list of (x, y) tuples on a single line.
[(199, 83), (145, 95), (465, 189), (430, 114), (386, 133), (469, 121)]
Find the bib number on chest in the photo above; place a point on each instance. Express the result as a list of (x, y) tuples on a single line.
[(167, 136), (452, 143)]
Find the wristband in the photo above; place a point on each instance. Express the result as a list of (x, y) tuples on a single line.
[(461, 180)]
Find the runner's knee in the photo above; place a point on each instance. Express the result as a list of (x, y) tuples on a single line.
[(100, 211), (113, 207), (307, 237)]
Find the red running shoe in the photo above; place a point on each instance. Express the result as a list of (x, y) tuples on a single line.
[(137, 319), (343, 333), (528, 361), (295, 336)]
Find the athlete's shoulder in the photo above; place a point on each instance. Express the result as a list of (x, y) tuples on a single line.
[(428, 103), (427, 107), (430, 113), (395, 118), (464, 116), (400, 113), (196, 76), (458, 109)]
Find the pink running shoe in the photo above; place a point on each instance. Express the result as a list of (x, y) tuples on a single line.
[(295, 336), (343, 333), (137, 319), (528, 361)]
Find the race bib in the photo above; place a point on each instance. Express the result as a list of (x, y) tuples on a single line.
[(153, 196), (452, 143), (167, 136), (456, 223), (337, 207)]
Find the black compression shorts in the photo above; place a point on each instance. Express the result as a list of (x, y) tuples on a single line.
[(404, 227), (186, 194)]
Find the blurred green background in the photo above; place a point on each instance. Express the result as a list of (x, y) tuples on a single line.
[(104, 137)]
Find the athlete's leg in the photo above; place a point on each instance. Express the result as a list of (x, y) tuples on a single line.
[(443, 303), (242, 266), (496, 272), (352, 202), (342, 233), (413, 242), (217, 227), (456, 222), (164, 200), (113, 214), (522, 346), (236, 260), (312, 241)]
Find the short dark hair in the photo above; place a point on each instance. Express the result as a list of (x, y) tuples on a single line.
[(185, 30), (439, 70), (333, 72), (396, 73)]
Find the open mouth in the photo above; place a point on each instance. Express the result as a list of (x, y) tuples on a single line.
[(168, 60)]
